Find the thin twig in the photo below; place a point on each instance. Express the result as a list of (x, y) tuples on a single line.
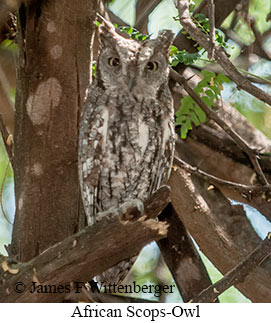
[(237, 274), (219, 53), (7, 139), (253, 155), (143, 15), (242, 188), (1, 193), (211, 15)]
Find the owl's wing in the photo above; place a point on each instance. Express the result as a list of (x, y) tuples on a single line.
[(92, 140)]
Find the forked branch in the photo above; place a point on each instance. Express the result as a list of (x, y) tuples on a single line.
[(237, 274)]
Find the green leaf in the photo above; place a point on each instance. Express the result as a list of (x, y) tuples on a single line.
[(215, 89), (188, 124), (207, 101), (173, 50), (221, 78), (94, 68), (180, 120), (208, 75), (194, 118), (184, 131), (210, 94), (200, 114)]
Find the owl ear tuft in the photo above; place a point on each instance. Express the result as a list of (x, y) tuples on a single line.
[(106, 31), (165, 38)]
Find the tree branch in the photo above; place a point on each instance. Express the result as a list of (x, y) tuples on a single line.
[(7, 140), (219, 53), (221, 230), (87, 253), (211, 16), (237, 274), (143, 9), (231, 132), (181, 257), (242, 188)]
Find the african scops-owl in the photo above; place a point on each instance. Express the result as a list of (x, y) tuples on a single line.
[(126, 137)]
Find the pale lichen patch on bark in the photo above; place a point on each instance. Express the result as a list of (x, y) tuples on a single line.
[(51, 27), (37, 169), (21, 203), (46, 97), (56, 51)]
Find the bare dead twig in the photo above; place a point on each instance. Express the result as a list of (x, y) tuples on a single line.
[(211, 15), (253, 156), (237, 274), (143, 9), (7, 109), (257, 46), (1, 194), (7, 139), (216, 69), (246, 190)]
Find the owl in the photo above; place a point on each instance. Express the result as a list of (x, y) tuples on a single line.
[(126, 135)]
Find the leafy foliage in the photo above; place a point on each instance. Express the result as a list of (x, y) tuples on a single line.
[(94, 63), (209, 89), (202, 22), (176, 56), (134, 33)]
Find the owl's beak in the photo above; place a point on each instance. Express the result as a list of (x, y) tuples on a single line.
[(131, 84)]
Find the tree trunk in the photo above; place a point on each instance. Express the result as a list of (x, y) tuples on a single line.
[(53, 69)]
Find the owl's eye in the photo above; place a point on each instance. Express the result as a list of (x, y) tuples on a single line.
[(152, 66), (114, 61)]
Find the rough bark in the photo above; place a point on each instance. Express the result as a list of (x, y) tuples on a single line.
[(222, 10), (222, 231), (237, 274), (53, 71), (85, 254), (182, 258), (7, 83)]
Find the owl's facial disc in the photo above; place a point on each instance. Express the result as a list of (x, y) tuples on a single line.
[(138, 68)]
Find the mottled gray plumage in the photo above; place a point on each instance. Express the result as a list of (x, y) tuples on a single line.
[(126, 140)]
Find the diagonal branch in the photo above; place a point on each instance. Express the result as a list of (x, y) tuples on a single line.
[(242, 188), (231, 132), (181, 257), (143, 9), (237, 274), (219, 53), (86, 253)]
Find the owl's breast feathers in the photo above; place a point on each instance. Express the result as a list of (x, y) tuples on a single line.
[(126, 149)]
